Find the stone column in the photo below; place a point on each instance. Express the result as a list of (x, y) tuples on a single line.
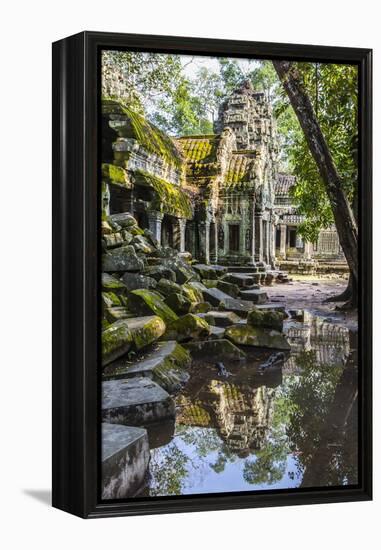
[(308, 250), (266, 251), (258, 254), (242, 229), (272, 243), (154, 223), (298, 241), (203, 232), (283, 237), (182, 226)]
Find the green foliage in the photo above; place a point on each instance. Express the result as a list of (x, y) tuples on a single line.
[(138, 78), (184, 114), (333, 93)]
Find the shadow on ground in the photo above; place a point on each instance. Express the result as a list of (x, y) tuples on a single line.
[(42, 495)]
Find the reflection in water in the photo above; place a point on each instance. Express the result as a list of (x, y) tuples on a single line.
[(292, 426)]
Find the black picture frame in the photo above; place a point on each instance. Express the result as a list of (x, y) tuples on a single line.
[(76, 350)]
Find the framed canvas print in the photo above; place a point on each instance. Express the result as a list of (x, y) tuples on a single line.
[(212, 274)]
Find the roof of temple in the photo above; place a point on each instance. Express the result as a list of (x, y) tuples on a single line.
[(240, 172), (283, 184), (147, 134), (170, 198), (201, 148)]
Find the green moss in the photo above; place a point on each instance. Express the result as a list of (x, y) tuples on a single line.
[(193, 294), (246, 335), (266, 319), (150, 332), (116, 340), (199, 148), (116, 175), (169, 199), (146, 133), (144, 301), (187, 327)]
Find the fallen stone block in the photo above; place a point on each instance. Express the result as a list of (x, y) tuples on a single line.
[(229, 288), (112, 284), (215, 349), (167, 365), (136, 333), (222, 318), (186, 328), (144, 302), (210, 271), (240, 307), (133, 281), (239, 279), (123, 258), (135, 401), (246, 335), (266, 319), (255, 296), (125, 459)]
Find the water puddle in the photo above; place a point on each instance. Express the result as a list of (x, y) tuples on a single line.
[(291, 425)]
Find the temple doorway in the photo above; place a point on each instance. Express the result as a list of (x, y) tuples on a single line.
[(234, 238)]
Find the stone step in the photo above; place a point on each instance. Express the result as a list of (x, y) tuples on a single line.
[(125, 459), (210, 271), (135, 401), (255, 296), (166, 365), (240, 279)]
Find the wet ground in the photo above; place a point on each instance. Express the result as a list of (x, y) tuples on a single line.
[(290, 425)]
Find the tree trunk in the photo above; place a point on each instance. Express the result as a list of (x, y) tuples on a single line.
[(343, 215)]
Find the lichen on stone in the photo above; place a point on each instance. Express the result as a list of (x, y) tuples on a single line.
[(170, 198)]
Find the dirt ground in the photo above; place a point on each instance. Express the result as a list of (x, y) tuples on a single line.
[(308, 292)]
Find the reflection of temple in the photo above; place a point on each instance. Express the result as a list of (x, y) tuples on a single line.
[(242, 414), (218, 196), (330, 342)]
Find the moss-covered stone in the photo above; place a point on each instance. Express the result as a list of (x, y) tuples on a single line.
[(247, 335), (193, 293), (178, 303), (167, 364), (169, 198), (158, 272), (115, 175), (134, 281), (167, 287), (215, 349), (145, 133), (124, 220), (110, 299), (135, 333), (266, 319), (112, 284), (210, 271), (229, 288), (143, 302), (200, 307), (116, 341), (210, 283), (187, 328), (123, 258), (115, 313)]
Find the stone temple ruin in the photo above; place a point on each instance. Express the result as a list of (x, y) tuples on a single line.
[(191, 227), (221, 196)]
